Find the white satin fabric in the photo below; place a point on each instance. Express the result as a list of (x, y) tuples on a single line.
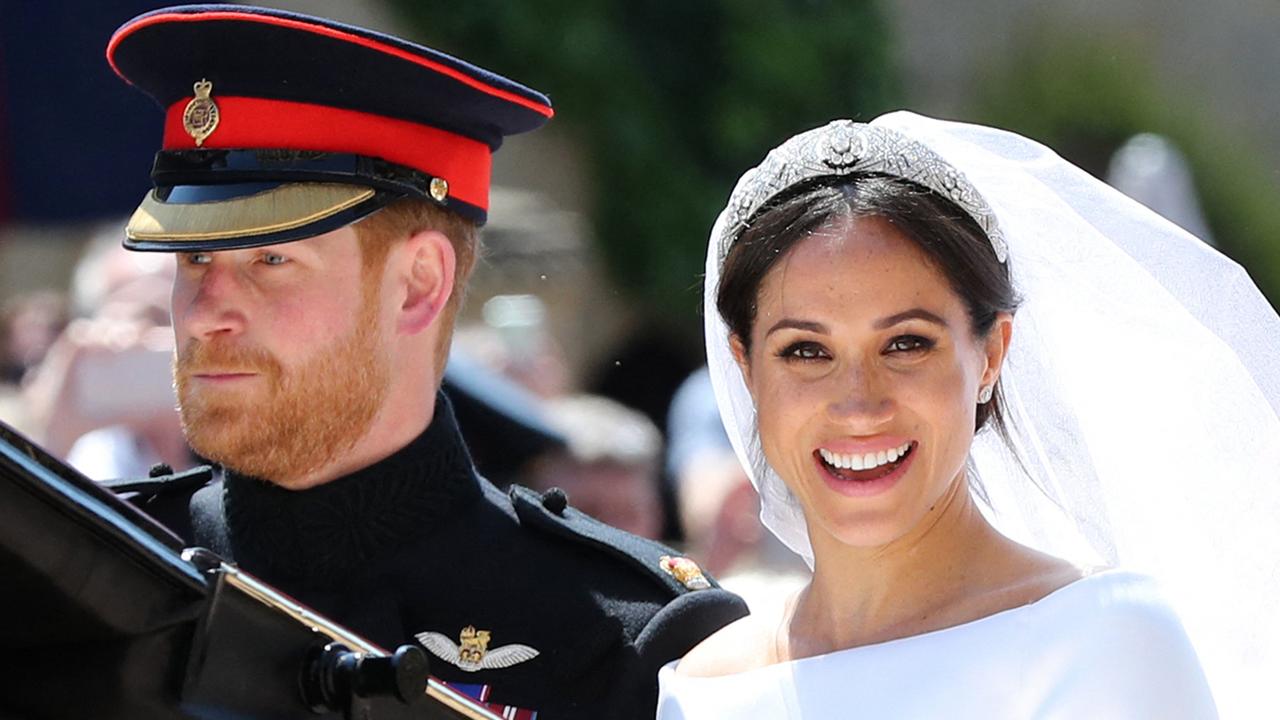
[(1106, 647)]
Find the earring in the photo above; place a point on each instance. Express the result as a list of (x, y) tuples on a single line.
[(984, 394)]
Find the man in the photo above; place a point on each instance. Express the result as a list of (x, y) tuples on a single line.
[(321, 186)]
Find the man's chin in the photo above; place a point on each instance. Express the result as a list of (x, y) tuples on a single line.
[(226, 439), (286, 429), (263, 464)]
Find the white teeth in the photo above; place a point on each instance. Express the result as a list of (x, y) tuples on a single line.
[(865, 461)]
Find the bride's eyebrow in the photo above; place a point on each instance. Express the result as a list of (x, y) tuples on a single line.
[(912, 314), (794, 324), (881, 324)]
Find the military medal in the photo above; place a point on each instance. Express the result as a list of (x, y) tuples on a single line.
[(200, 118), (474, 654), (685, 571)]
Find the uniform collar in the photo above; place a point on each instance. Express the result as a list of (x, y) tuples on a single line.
[(342, 529)]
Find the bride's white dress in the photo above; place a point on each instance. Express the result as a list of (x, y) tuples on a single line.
[(1106, 646)]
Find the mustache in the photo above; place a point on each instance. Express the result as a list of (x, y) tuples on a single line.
[(199, 358)]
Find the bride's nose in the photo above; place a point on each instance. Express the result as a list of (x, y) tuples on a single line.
[(859, 396)]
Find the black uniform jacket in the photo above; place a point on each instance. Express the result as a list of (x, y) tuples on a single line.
[(418, 549)]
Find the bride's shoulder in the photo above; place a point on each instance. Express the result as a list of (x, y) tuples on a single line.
[(1123, 644), (745, 644), (1110, 595), (1091, 614)]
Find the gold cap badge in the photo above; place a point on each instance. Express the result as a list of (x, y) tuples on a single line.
[(685, 571), (200, 118), (439, 189)]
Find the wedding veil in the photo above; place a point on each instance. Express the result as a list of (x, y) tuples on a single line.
[(1142, 389)]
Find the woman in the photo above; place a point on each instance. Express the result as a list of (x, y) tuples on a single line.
[(880, 295)]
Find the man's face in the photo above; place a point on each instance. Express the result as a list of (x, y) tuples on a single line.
[(282, 363)]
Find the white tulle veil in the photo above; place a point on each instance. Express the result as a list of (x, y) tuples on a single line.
[(1142, 386)]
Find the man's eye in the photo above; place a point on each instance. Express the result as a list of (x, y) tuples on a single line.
[(803, 352), (908, 343), (274, 259), (197, 258)]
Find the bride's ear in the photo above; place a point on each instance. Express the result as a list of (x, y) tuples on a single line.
[(743, 359), (996, 347)]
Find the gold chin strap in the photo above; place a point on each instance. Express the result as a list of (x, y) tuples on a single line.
[(283, 208)]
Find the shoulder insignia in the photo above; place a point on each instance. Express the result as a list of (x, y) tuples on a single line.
[(551, 513), (474, 654), (684, 570)]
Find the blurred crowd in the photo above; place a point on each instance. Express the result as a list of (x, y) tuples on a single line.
[(85, 372)]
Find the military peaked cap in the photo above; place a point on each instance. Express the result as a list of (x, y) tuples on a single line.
[(281, 126)]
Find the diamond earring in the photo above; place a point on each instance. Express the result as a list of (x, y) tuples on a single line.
[(984, 394)]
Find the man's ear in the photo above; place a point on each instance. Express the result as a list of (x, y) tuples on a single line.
[(424, 269)]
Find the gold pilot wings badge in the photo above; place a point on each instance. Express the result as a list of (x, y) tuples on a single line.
[(474, 653)]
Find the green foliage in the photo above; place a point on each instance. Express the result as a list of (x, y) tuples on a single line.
[(673, 100), (1084, 97)]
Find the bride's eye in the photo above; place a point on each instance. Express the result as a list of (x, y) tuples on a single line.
[(804, 351), (908, 344)]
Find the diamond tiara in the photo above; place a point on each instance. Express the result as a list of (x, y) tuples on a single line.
[(842, 147)]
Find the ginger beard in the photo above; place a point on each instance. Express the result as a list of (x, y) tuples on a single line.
[(297, 421)]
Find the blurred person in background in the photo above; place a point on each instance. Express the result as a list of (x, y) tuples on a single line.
[(719, 509), (103, 397), (610, 463), (29, 325), (513, 340), (1152, 170), (503, 424)]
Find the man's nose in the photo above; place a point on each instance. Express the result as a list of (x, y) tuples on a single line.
[(212, 305)]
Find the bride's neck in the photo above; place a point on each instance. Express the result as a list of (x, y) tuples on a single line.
[(859, 596)]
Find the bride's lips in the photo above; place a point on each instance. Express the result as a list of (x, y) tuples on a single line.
[(848, 483)]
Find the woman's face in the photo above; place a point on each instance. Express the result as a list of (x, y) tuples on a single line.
[(865, 374)]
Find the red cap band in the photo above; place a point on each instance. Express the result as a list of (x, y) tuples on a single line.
[(247, 123)]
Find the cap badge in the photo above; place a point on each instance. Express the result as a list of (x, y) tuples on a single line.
[(200, 118), (439, 189), (685, 571), (474, 653)]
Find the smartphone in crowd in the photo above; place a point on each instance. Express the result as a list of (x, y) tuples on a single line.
[(133, 382)]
